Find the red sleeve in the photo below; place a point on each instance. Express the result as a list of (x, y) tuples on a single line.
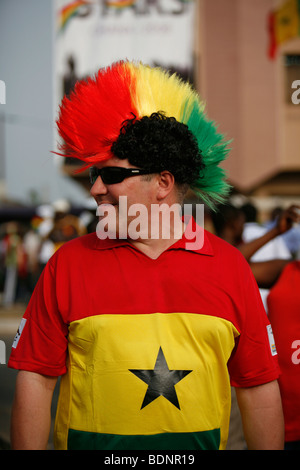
[(41, 342), (254, 359)]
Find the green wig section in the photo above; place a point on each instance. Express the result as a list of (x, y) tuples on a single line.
[(157, 90), (211, 186)]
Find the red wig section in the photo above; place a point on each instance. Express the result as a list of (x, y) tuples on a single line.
[(90, 120)]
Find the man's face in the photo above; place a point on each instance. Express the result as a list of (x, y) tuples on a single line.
[(136, 189)]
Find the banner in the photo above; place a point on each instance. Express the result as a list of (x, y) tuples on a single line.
[(93, 34), (284, 25)]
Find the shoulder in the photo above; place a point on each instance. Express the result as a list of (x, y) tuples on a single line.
[(228, 262), (86, 248), (223, 249), (289, 276), (75, 249), (293, 267), (85, 242)]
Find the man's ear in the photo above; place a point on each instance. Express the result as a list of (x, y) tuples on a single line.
[(166, 182)]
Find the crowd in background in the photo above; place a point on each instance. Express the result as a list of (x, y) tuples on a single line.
[(25, 248), (240, 226)]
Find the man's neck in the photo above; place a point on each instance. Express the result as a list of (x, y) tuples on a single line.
[(153, 248)]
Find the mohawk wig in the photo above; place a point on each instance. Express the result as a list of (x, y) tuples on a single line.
[(91, 120)]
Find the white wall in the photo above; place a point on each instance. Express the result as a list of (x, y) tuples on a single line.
[(27, 118)]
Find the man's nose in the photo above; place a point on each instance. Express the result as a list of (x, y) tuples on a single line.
[(98, 188)]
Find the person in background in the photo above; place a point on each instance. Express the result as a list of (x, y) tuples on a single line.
[(229, 224), (290, 238), (13, 255), (272, 251)]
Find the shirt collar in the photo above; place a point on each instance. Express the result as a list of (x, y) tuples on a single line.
[(195, 239)]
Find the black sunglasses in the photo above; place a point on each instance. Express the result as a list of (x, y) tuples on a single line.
[(115, 174)]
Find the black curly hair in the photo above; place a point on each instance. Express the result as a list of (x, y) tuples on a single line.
[(157, 143)]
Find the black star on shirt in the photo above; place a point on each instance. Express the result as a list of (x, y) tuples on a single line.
[(161, 381)]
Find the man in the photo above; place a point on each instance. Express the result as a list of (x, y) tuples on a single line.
[(144, 330)]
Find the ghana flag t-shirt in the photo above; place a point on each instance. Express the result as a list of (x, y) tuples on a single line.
[(147, 349)]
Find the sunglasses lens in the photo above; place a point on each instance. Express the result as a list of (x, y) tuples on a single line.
[(112, 175), (93, 175), (109, 175)]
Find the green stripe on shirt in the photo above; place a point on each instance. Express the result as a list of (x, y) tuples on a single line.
[(205, 440)]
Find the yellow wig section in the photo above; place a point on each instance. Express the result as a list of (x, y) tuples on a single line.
[(156, 90)]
